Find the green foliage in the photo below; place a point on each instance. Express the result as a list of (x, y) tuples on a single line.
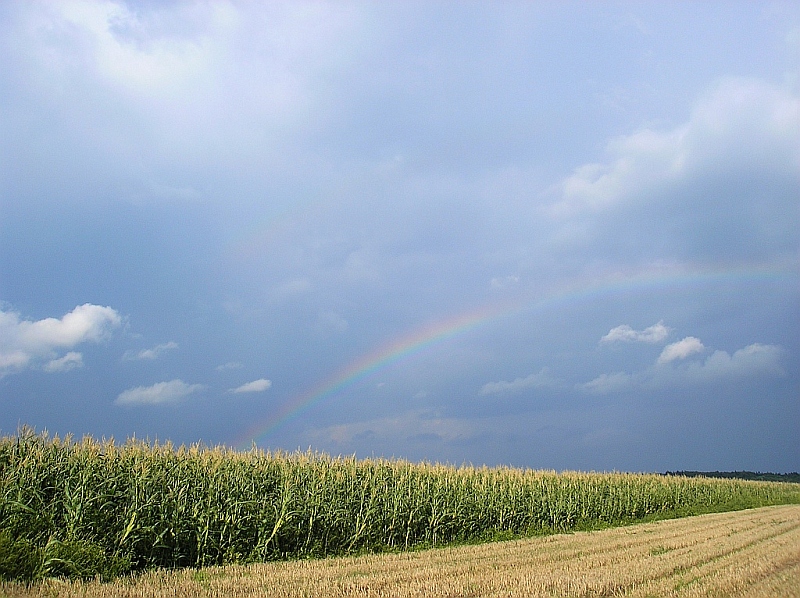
[(19, 558), (81, 559), (81, 509)]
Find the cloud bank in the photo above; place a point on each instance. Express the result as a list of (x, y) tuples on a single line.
[(716, 188), (755, 360)]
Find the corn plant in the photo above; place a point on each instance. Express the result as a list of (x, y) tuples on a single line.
[(86, 508)]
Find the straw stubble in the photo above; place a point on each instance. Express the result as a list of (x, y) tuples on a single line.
[(753, 553)]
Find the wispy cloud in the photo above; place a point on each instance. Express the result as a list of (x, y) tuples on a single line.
[(608, 383), (157, 394), (149, 353), (653, 334), (504, 282), (70, 361), (231, 365), (538, 380), (408, 426), (24, 343), (259, 385)]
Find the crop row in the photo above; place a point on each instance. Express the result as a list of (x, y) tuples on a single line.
[(86, 508)]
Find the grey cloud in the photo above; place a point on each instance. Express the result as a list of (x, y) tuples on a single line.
[(397, 428), (720, 185), (744, 120), (183, 101)]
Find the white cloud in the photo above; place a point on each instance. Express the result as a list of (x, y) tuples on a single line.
[(681, 349), (150, 353), (607, 383), (160, 393), (652, 334), (140, 51), (70, 361), (752, 360), (538, 380), (23, 343), (740, 122), (255, 386), (231, 365)]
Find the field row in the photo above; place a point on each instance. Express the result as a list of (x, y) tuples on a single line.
[(88, 508)]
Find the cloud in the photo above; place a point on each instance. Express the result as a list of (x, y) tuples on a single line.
[(652, 334), (408, 426), (720, 186), (70, 361), (538, 380), (231, 365), (681, 350), (750, 121), (608, 383), (293, 287), (752, 360), (259, 385), (157, 394), (150, 353), (331, 321), (504, 282), (139, 51), (24, 342)]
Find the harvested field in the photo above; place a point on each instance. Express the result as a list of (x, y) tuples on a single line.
[(743, 553)]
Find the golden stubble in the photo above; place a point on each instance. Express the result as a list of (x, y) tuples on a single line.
[(745, 553)]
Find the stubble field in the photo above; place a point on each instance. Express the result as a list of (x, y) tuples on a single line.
[(754, 552)]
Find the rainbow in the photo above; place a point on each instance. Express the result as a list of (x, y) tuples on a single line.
[(372, 362), (435, 333)]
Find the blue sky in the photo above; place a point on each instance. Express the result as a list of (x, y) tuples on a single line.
[(551, 235)]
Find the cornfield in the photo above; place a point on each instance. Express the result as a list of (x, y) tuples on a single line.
[(87, 508)]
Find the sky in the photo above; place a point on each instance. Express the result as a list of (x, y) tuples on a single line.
[(551, 235)]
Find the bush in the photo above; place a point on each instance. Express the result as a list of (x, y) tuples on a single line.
[(20, 559), (81, 560)]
